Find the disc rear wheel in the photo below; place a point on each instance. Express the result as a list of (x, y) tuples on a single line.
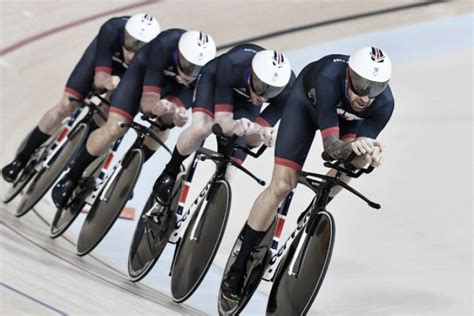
[(46, 177), (294, 294), (104, 213)]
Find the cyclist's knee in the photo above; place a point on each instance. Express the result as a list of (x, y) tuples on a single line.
[(113, 127), (280, 188), (201, 128), (65, 107), (283, 181)]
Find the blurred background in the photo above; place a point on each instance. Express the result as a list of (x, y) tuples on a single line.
[(413, 257)]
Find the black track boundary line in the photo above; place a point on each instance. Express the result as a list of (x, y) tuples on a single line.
[(74, 244), (330, 21), (86, 270), (111, 267)]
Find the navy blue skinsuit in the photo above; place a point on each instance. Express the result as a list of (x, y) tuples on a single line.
[(223, 86), (152, 70), (104, 54), (318, 101)]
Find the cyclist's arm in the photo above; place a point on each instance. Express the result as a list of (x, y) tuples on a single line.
[(153, 79), (224, 96), (327, 98), (270, 116), (103, 59)]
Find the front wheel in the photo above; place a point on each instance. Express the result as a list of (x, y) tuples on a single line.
[(64, 217), (29, 171), (104, 213), (294, 294), (48, 175), (150, 238), (256, 265), (200, 242), (24, 178)]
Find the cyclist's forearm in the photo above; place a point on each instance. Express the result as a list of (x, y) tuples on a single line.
[(336, 148)]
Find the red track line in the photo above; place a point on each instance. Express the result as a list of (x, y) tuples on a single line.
[(34, 38)]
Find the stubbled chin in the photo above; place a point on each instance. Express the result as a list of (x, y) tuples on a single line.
[(358, 108)]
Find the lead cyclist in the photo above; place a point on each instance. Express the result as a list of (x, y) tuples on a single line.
[(349, 100)]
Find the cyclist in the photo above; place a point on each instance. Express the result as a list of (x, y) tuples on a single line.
[(159, 82), (348, 99), (106, 56), (230, 91)]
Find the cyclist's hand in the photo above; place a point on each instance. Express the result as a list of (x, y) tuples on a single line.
[(364, 145), (115, 82), (376, 158), (242, 126), (104, 82), (268, 136), (180, 117), (162, 107)]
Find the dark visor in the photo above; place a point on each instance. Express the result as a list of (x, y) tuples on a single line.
[(262, 89), (363, 87)]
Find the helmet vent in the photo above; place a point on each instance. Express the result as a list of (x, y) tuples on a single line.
[(278, 59), (377, 55)]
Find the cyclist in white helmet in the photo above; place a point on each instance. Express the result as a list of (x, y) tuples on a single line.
[(230, 91), (159, 82), (100, 67), (348, 99)]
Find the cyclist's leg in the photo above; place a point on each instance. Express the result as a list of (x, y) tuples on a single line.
[(295, 135), (190, 139), (182, 98), (124, 107), (77, 86)]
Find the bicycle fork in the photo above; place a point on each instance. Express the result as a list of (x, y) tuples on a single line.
[(277, 254)]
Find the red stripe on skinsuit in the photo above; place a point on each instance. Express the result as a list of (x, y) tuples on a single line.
[(288, 163)]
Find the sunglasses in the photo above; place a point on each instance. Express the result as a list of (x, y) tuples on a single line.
[(363, 87), (263, 89)]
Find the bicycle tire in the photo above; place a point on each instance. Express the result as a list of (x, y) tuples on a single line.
[(294, 295), (103, 214), (194, 257), (29, 171), (255, 269), (63, 218), (16, 187), (141, 259), (46, 177)]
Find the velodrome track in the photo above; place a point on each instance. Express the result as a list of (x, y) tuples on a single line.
[(414, 257)]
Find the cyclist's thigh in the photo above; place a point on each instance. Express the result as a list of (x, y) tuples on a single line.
[(126, 98), (82, 77), (180, 94), (297, 129), (203, 98)]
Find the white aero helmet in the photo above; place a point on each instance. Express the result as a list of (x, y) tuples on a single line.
[(271, 72), (195, 50), (140, 29), (369, 71)]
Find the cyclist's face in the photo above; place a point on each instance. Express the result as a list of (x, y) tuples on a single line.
[(127, 55), (254, 97), (358, 103), (185, 78)]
